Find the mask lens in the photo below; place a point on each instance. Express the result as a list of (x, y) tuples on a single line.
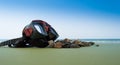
[(38, 28)]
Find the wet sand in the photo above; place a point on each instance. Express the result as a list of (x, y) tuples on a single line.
[(105, 54)]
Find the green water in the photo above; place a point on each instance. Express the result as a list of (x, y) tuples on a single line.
[(105, 54)]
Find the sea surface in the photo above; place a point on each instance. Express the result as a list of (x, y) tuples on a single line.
[(101, 41), (108, 53)]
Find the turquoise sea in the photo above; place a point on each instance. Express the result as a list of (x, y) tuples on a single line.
[(108, 53)]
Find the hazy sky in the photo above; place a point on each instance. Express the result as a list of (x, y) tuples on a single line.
[(71, 18)]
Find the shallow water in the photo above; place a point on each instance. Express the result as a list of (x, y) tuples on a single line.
[(105, 54)]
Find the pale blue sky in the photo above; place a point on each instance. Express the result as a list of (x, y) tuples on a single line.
[(71, 18)]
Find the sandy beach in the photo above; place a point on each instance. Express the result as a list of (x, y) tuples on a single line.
[(105, 54)]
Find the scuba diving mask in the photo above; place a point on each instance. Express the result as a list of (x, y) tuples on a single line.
[(39, 29)]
